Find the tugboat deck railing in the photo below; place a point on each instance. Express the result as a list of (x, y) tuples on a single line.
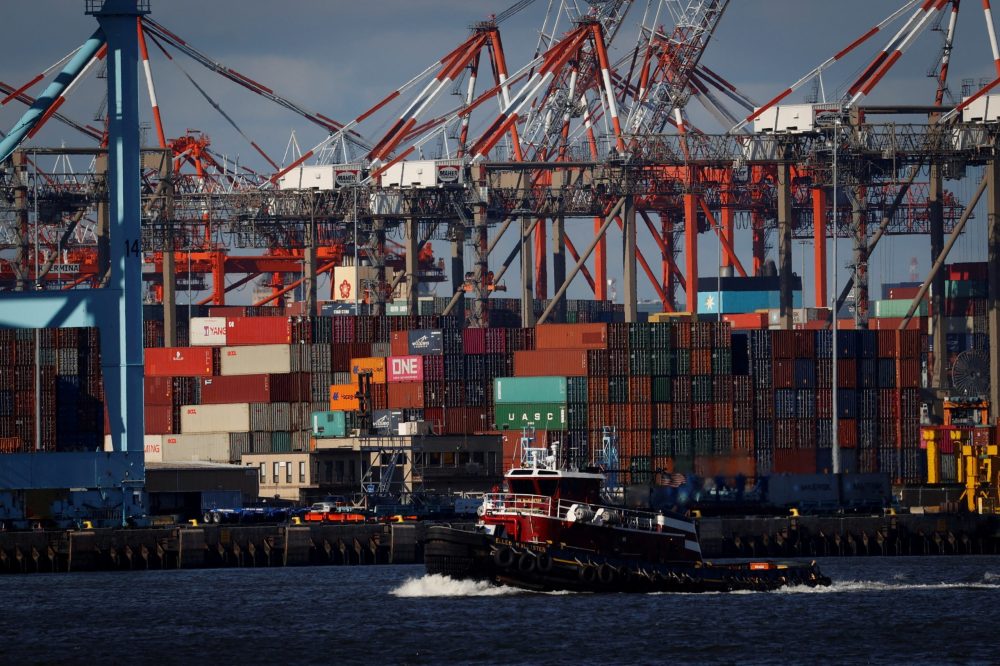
[(569, 510)]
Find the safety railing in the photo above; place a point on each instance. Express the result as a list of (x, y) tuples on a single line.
[(509, 503)]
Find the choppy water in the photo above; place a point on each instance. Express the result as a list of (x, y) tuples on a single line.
[(886, 610)]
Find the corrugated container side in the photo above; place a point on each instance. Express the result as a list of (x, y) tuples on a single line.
[(207, 331), (196, 419), (529, 390), (178, 362), (551, 362), (571, 336), (258, 330), (372, 364), (206, 447), (260, 359)]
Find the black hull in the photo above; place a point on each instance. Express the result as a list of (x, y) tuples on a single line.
[(478, 556)]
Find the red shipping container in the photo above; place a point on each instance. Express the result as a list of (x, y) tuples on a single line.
[(571, 336), (908, 373), (847, 433), (893, 323), (463, 420), (847, 373), (227, 311), (179, 362), (662, 417), (158, 391), (551, 362), (805, 344), (729, 466), (794, 461), (474, 340), (399, 343), (597, 390), (783, 372), (242, 388), (639, 389), (400, 369), (406, 395), (159, 420), (701, 361), (976, 271), (702, 416), (887, 343), (783, 344), (258, 331)]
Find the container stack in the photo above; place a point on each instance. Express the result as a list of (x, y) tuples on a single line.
[(67, 392)]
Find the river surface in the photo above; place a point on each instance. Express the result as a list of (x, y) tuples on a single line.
[(928, 610)]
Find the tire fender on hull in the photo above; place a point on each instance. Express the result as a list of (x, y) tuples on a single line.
[(503, 557)]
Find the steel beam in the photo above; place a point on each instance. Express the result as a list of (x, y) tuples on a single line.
[(691, 251), (629, 252), (819, 246), (583, 258), (169, 261), (559, 264), (993, 296), (935, 213), (786, 302), (412, 265), (527, 272)]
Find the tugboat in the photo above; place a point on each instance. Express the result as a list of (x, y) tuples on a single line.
[(551, 530)]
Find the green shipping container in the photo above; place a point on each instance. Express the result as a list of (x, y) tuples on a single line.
[(529, 390), (329, 424), (898, 308), (542, 416)]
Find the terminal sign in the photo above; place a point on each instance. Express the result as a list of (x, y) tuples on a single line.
[(65, 268)]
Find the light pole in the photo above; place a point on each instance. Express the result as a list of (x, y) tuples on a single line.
[(835, 444)]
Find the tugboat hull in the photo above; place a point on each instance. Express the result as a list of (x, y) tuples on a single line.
[(480, 556)]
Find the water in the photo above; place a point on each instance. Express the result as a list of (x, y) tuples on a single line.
[(885, 610)]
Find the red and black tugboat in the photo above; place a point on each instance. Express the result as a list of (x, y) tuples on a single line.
[(551, 530)]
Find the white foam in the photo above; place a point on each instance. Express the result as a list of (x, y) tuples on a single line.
[(878, 586), (436, 585)]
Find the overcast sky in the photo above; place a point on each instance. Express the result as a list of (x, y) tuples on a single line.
[(339, 58)]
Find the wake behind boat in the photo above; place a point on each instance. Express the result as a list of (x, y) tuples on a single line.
[(552, 530)]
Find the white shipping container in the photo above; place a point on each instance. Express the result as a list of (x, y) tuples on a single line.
[(415, 428), (225, 418), (259, 360), (208, 331), (410, 173), (208, 447), (150, 444), (345, 281)]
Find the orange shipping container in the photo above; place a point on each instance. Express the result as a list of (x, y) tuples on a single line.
[(571, 336), (370, 364), (551, 362), (343, 397), (748, 321)]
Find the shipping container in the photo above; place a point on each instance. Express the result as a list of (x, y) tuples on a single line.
[(403, 369), (259, 331), (543, 416), (571, 336), (424, 343), (509, 390), (551, 362), (344, 397), (197, 419), (179, 362), (207, 331), (372, 364), (329, 424), (263, 359), (205, 447)]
